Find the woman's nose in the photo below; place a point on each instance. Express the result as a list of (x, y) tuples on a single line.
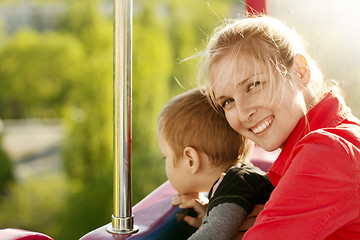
[(245, 111)]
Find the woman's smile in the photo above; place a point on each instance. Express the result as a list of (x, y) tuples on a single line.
[(263, 125)]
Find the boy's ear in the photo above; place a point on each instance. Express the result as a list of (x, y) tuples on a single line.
[(302, 68), (192, 157)]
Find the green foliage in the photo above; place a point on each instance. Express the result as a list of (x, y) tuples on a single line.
[(37, 89), (2, 32), (89, 111), (87, 150), (34, 204), (89, 121), (6, 169), (190, 23), (88, 206), (152, 66), (83, 20)]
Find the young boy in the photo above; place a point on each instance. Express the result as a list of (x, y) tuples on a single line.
[(203, 154)]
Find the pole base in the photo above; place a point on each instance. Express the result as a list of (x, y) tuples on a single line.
[(122, 225)]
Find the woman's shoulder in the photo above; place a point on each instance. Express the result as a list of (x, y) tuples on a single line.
[(344, 135), (337, 149)]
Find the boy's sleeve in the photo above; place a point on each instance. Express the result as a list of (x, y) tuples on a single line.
[(245, 186), (222, 222)]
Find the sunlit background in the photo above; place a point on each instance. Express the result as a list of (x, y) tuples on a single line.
[(56, 95)]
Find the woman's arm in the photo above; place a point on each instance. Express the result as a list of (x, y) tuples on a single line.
[(249, 221), (317, 194)]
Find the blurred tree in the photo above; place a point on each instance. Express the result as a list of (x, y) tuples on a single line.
[(88, 206), (2, 32), (34, 204), (84, 20), (152, 65), (189, 31), (6, 169), (87, 150), (70, 73), (37, 89), (89, 112)]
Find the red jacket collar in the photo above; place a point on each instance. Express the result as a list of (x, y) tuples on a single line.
[(329, 112)]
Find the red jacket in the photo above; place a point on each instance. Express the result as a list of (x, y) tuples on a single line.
[(316, 179)]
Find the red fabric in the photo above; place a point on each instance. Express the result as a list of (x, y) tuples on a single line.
[(316, 179), (254, 7)]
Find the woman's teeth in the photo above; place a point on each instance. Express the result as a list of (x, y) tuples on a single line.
[(261, 127)]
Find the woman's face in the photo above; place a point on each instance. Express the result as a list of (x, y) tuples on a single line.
[(250, 108)]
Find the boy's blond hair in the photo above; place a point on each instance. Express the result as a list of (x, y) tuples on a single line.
[(189, 120)]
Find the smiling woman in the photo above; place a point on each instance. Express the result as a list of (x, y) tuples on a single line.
[(270, 91), (245, 89)]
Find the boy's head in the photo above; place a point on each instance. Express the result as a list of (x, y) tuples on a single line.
[(188, 120)]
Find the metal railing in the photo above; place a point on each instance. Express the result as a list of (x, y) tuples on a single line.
[(122, 218)]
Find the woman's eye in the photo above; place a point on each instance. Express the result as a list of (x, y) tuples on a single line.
[(226, 102), (253, 85)]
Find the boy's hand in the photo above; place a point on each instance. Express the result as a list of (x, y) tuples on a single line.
[(192, 200)]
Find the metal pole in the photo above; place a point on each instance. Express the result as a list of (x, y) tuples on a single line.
[(122, 218)]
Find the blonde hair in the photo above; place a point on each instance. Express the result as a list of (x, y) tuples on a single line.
[(265, 41), (189, 120)]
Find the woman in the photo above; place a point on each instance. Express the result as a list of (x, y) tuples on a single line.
[(270, 91)]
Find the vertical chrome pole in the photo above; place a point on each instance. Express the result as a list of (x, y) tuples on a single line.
[(122, 218)]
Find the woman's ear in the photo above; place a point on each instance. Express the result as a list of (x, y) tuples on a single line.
[(192, 157), (302, 68)]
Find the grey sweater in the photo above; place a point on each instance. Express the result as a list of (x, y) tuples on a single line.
[(222, 222)]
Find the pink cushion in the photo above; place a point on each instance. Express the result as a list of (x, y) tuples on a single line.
[(18, 234)]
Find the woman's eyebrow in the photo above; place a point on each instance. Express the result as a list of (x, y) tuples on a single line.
[(240, 83), (245, 80), (218, 99)]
